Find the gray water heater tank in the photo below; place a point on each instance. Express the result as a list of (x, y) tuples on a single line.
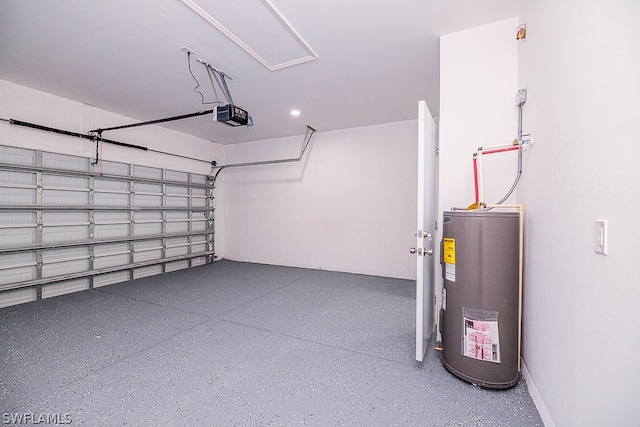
[(480, 313)]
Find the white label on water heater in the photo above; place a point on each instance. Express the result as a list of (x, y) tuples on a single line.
[(481, 340), (450, 272)]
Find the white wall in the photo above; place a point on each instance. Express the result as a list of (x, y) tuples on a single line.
[(478, 84), (580, 64), (29, 105), (350, 205)]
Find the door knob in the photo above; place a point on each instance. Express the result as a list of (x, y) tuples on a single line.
[(412, 250), (428, 251)]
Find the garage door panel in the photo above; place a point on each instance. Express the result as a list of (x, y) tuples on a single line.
[(110, 184), (12, 219), (110, 249), (177, 265), (18, 296), (177, 227), (177, 190), (199, 239), (17, 178), (67, 287), (199, 192), (103, 222), (198, 248), (64, 161), (18, 156), (177, 215), (199, 215), (110, 261), (13, 237), (199, 179), (177, 201), (18, 196), (147, 255), (147, 200), (177, 241), (110, 217), (198, 225), (65, 198), (147, 271), (63, 218), (64, 234), (17, 259), (17, 275), (198, 203), (111, 278), (114, 168), (65, 267), (178, 250), (111, 231), (144, 245), (148, 216), (198, 261), (148, 188), (147, 229), (63, 181), (176, 176), (57, 255), (110, 199), (147, 172)]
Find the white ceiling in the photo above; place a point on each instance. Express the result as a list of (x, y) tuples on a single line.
[(376, 59)]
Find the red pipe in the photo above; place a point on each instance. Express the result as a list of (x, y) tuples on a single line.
[(500, 150), (475, 176)]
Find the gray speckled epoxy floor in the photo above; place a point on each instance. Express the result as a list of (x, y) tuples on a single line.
[(238, 344)]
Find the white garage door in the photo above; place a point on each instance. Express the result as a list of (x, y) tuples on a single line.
[(67, 225)]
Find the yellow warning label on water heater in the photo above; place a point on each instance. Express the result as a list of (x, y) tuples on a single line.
[(449, 250)]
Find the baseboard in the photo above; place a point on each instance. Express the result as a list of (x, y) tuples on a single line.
[(537, 399)]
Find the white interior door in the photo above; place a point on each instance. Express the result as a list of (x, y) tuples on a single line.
[(425, 278)]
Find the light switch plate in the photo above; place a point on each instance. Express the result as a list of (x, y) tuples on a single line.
[(600, 236)]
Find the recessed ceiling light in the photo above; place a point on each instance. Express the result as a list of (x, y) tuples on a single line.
[(295, 113)]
